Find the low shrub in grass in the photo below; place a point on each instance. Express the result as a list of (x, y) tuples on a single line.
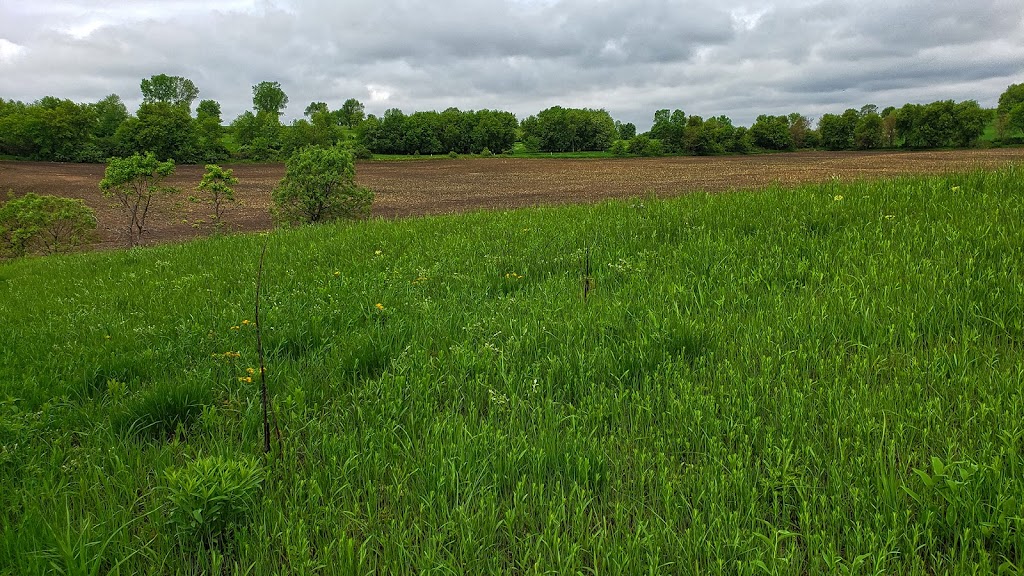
[(209, 498)]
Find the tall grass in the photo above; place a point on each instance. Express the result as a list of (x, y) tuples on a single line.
[(795, 381)]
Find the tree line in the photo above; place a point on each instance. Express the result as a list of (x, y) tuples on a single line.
[(166, 125)]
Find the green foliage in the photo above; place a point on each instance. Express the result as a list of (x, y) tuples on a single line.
[(486, 153), (435, 133), (619, 148), (133, 182), (173, 90), (867, 134), (216, 190), (48, 129), (644, 145), (453, 154), (210, 498), (771, 133), (625, 130), (259, 136), (560, 129), (110, 114), (269, 98), (351, 113), (44, 224), (769, 372), (209, 132), (165, 410), (941, 124), (319, 186), (163, 129)]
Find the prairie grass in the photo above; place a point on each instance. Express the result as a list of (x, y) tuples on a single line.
[(825, 379)]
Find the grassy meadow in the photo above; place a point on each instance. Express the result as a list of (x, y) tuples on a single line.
[(821, 380)]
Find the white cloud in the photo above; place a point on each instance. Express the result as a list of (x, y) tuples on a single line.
[(9, 50)]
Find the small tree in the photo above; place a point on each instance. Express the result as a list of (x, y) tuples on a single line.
[(45, 224), (318, 186), (133, 182), (217, 191)]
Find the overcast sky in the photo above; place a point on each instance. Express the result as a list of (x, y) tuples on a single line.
[(708, 57)]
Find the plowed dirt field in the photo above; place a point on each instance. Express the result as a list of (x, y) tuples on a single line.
[(435, 186)]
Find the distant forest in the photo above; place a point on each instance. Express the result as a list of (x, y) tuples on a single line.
[(165, 124)]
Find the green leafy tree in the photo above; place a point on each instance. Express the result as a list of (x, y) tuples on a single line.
[(259, 136), (55, 129), (799, 128), (110, 114), (560, 129), (216, 190), (318, 186), (167, 130), (133, 182), (351, 113), (1010, 111), (867, 134), (44, 224), (174, 90), (626, 130), (315, 108), (837, 131), (209, 132), (969, 120), (771, 133), (269, 98)]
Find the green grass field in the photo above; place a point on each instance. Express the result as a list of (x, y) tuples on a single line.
[(823, 380)]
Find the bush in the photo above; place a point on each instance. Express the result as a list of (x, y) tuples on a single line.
[(44, 224), (619, 148), (210, 497), (133, 182), (486, 153), (216, 189), (319, 186), (453, 154)]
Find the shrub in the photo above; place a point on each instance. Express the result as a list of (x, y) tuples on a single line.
[(216, 187), (361, 152), (44, 224), (486, 153), (453, 154), (619, 148), (319, 186), (133, 182), (210, 497)]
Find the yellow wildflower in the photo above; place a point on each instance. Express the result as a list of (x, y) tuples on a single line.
[(380, 306), (838, 198), (377, 253), (246, 322), (247, 379), (236, 327), (250, 371), (337, 273)]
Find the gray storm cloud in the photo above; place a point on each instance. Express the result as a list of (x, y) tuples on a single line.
[(739, 58)]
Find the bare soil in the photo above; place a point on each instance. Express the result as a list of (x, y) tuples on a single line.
[(441, 186)]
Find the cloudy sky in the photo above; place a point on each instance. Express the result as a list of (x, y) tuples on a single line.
[(708, 57)]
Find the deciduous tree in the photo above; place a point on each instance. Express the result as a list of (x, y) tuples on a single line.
[(174, 90), (133, 182), (318, 186)]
